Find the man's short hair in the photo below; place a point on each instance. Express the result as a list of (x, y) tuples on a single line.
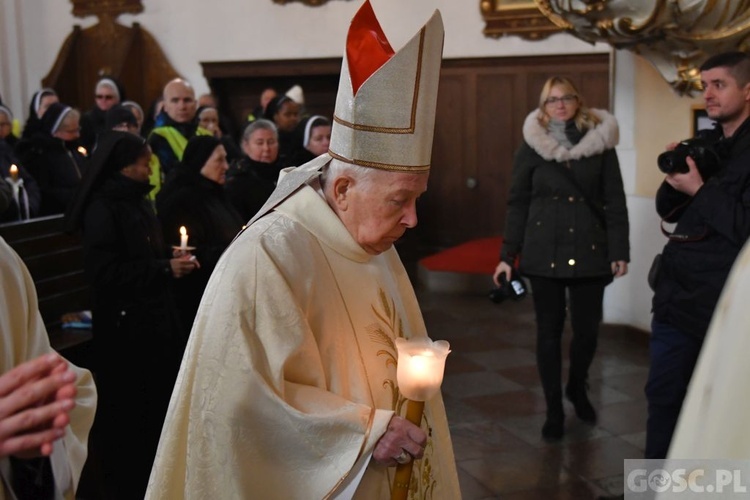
[(737, 63)]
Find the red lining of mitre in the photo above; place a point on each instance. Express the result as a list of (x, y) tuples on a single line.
[(367, 48)]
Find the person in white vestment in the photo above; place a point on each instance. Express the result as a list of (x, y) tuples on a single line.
[(715, 415), (288, 386), (46, 404)]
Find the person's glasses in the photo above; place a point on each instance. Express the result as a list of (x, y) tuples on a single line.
[(106, 97), (566, 99)]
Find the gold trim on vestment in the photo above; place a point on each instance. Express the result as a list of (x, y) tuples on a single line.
[(415, 169)]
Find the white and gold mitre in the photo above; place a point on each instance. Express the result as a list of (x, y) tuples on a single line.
[(385, 107)]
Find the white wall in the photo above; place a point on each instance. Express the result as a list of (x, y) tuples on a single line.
[(191, 32)]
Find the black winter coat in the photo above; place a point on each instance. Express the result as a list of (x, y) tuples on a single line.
[(711, 229), (549, 224), (138, 343), (127, 264), (199, 204), (57, 168), (249, 184)]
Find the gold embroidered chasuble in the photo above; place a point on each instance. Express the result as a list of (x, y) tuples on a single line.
[(290, 372), (24, 337)]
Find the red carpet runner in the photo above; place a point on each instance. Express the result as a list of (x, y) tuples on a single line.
[(473, 257)]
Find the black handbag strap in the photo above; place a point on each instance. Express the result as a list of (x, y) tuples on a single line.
[(596, 210)]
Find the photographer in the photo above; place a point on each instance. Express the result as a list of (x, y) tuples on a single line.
[(712, 213)]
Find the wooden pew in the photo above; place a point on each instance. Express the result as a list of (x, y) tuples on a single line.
[(55, 261)]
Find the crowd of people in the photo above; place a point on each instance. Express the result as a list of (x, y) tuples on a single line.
[(128, 192), (248, 279), (53, 149)]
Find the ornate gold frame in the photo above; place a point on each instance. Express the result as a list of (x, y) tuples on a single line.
[(515, 17)]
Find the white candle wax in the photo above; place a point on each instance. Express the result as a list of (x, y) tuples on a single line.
[(183, 238)]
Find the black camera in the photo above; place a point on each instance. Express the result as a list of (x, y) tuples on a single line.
[(699, 149), (514, 289)]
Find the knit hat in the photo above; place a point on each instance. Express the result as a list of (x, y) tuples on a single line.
[(197, 152), (117, 115), (385, 107)]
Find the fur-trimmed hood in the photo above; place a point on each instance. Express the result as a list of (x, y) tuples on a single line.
[(602, 137)]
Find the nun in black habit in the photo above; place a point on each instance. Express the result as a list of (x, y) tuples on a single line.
[(40, 101), (138, 340), (193, 196), (52, 158)]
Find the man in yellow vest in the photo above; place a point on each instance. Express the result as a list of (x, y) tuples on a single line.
[(175, 125)]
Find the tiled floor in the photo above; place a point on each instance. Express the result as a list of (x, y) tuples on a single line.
[(496, 406)]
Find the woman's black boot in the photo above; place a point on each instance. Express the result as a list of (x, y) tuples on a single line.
[(554, 427), (576, 393)]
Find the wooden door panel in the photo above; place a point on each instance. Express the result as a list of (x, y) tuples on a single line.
[(482, 103)]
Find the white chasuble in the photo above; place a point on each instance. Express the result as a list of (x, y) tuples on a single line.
[(23, 337), (715, 414), (290, 372)]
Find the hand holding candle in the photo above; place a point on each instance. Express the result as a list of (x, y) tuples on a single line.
[(421, 363)]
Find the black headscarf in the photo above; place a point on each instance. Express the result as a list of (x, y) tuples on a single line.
[(53, 117), (114, 151), (197, 152), (34, 123)]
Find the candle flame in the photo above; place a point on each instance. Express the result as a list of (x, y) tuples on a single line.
[(183, 231), (13, 169), (83, 151)]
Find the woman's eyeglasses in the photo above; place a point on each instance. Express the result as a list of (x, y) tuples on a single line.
[(566, 99)]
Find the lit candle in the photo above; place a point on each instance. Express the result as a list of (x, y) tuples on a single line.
[(421, 363), (419, 372), (83, 151), (14, 172), (183, 238)]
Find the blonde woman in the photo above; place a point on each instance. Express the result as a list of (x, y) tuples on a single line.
[(567, 230)]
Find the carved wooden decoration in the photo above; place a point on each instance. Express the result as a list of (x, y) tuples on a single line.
[(515, 17), (130, 55)]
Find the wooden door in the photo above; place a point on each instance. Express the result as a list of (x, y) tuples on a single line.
[(482, 104)]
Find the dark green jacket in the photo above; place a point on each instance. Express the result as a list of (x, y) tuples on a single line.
[(550, 226)]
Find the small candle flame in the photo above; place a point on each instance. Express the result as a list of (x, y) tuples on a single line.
[(183, 231), (14, 172), (83, 151)]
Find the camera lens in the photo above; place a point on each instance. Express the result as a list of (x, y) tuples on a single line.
[(673, 161)]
